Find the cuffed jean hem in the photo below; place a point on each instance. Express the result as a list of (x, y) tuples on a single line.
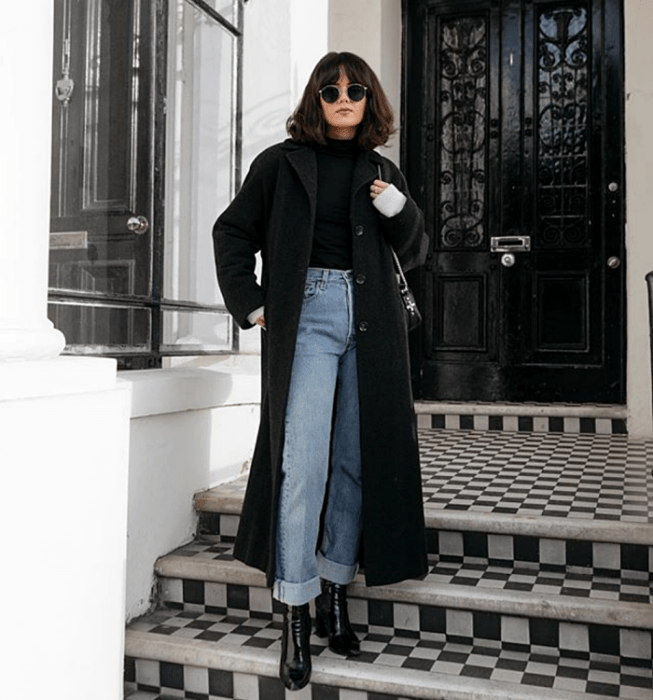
[(335, 573), (296, 593)]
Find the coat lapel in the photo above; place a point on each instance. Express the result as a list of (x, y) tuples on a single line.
[(304, 162), (365, 171)]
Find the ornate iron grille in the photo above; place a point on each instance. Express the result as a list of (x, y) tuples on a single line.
[(463, 78), (562, 151)]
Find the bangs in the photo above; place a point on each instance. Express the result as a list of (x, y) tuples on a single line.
[(338, 64)]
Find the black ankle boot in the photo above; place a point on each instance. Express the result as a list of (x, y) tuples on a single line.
[(332, 620), (295, 667)]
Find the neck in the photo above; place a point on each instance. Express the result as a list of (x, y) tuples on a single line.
[(341, 133)]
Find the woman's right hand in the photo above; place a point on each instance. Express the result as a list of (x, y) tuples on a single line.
[(260, 321)]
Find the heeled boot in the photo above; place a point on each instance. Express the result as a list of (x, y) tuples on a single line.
[(332, 620), (295, 666)]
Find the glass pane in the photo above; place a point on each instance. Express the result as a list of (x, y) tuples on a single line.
[(193, 331), (106, 328), (199, 177), (463, 74), (227, 8), (563, 128)]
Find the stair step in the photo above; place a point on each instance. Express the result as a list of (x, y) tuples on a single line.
[(204, 652), (604, 548), (204, 577), (606, 419)]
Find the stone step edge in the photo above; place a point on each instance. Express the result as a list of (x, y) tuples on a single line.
[(336, 672), (561, 410), (415, 592), (608, 531)]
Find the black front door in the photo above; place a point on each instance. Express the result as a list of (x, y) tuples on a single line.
[(514, 141)]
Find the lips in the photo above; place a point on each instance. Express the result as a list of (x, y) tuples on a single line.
[(344, 110)]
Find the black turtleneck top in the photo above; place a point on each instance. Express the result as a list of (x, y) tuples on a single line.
[(332, 234)]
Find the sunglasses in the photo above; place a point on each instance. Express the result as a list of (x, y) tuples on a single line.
[(331, 93)]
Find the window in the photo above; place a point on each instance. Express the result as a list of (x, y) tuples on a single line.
[(201, 172), (146, 153)]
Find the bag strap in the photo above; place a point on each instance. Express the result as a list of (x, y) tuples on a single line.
[(402, 280), (400, 273)]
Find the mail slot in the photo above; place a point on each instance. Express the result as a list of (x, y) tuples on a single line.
[(510, 244)]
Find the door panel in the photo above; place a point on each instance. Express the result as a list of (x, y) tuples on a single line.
[(100, 269), (521, 138)]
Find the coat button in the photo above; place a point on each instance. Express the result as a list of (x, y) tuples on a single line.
[(362, 326), (360, 279), (359, 230)]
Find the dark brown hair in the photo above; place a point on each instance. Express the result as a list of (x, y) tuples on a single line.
[(307, 124)]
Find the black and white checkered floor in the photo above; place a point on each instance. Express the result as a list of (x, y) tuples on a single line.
[(562, 475)]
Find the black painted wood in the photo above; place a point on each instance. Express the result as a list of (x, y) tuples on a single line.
[(514, 127)]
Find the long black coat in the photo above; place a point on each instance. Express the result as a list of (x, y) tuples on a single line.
[(274, 213)]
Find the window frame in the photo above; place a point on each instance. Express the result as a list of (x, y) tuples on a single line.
[(156, 303)]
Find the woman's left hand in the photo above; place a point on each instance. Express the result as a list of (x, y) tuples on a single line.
[(377, 188)]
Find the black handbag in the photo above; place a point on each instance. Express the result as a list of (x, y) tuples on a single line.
[(413, 316)]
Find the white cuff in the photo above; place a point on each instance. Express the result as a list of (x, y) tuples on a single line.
[(255, 315), (390, 202)]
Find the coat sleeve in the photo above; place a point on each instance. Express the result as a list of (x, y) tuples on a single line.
[(405, 231), (238, 235)]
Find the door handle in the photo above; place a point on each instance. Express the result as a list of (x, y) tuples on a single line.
[(138, 224), (510, 244)]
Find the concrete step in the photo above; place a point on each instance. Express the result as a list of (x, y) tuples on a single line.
[(203, 655), (612, 613), (602, 546)]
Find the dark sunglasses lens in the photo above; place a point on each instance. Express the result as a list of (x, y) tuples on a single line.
[(330, 94), (356, 93)]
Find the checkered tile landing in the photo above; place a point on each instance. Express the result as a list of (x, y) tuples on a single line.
[(596, 477)]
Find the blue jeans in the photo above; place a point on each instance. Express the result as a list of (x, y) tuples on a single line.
[(321, 465)]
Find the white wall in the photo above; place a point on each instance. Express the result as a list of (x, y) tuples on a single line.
[(283, 42), (64, 428), (639, 209), (191, 428), (372, 30)]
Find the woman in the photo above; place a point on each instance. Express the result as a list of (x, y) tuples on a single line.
[(335, 479)]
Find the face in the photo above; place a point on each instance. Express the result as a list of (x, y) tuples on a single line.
[(343, 116)]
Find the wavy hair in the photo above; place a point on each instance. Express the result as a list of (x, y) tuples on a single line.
[(307, 124)]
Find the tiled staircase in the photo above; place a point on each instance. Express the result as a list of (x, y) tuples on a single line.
[(540, 585)]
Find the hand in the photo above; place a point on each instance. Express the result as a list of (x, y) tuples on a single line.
[(260, 321), (377, 188)]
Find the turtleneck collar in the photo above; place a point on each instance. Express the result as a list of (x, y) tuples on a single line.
[(340, 147)]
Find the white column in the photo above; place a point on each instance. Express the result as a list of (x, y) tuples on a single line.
[(25, 142), (64, 422)]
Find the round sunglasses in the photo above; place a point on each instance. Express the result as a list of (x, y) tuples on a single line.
[(330, 93)]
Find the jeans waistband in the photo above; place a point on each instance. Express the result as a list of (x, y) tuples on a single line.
[(327, 275)]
